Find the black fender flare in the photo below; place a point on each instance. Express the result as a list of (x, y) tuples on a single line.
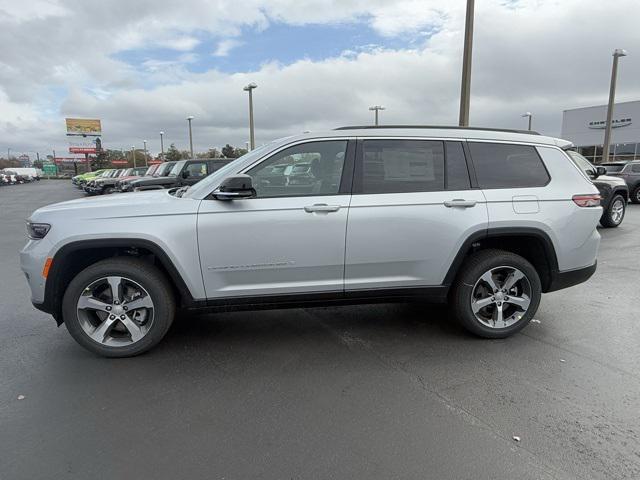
[(54, 285)]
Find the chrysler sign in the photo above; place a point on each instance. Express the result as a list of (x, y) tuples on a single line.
[(621, 122)]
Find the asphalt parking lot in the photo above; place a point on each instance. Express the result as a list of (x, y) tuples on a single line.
[(383, 391)]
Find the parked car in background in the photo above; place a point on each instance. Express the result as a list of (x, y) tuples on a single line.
[(183, 173), (485, 220), (14, 177), (122, 183), (630, 173), (107, 185), (82, 179), (161, 170), (90, 186), (613, 190)]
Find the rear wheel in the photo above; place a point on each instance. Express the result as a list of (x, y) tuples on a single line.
[(496, 293), (118, 307), (613, 215)]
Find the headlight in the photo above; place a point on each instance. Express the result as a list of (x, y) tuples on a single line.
[(36, 231)]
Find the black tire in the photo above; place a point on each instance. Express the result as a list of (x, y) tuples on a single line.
[(607, 219), (471, 271), (108, 190), (143, 273), (635, 195)]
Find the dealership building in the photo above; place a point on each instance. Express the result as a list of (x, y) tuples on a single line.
[(585, 128)]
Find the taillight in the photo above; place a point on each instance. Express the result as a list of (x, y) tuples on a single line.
[(591, 200)]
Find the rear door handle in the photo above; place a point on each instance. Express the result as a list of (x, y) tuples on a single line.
[(321, 207), (459, 202)]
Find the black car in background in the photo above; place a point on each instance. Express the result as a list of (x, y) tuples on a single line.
[(160, 170), (630, 173), (614, 191), (183, 173)]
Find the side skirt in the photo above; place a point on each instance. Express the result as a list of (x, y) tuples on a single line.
[(322, 299)]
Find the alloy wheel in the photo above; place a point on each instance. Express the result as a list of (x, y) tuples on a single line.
[(501, 297), (115, 311), (617, 211)]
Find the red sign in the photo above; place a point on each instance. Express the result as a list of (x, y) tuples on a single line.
[(82, 150), (119, 162), (154, 162)]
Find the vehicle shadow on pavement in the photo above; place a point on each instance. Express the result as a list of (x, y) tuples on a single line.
[(381, 322)]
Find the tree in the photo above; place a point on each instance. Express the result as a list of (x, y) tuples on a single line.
[(173, 154), (211, 153), (185, 154), (240, 152), (228, 151)]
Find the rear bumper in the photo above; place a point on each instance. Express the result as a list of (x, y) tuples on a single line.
[(560, 280)]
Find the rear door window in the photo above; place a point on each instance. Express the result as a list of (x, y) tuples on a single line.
[(504, 165), (400, 166)]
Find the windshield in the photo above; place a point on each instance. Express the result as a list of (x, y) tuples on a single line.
[(164, 169), (205, 186), (176, 168)]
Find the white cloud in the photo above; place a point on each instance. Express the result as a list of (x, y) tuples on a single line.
[(541, 56), (225, 46)]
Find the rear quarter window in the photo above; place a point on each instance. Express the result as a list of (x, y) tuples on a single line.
[(503, 165)]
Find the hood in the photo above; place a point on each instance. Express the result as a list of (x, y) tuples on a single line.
[(610, 180), (126, 205), (155, 181)]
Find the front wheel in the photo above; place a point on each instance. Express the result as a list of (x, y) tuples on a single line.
[(119, 307), (613, 215), (496, 293), (635, 195)]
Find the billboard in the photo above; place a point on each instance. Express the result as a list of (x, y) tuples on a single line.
[(83, 126)]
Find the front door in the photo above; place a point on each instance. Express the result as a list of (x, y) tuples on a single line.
[(290, 238)]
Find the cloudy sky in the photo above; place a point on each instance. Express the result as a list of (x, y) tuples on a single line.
[(143, 65)]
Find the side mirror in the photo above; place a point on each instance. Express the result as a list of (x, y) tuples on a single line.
[(185, 174), (235, 188), (600, 171)]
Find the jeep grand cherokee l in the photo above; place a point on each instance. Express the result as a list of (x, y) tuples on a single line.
[(484, 220)]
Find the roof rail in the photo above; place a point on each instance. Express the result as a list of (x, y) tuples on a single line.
[(441, 127)]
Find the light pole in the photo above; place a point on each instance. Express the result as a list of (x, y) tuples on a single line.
[(8, 154), (189, 118), (161, 146), (133, 155), (376, 108), (530, 115), (249, 88), (465, 90), (146, 163), (617, 53)]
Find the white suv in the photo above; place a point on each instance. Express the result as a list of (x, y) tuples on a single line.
[(484, 219)]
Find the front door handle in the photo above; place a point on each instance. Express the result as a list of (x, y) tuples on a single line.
[(459, 202), (321, 207)]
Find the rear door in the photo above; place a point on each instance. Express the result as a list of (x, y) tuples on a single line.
[(410, 213)]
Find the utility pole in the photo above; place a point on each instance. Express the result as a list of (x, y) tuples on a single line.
[(146, 163), (133, 155), (249, 88), (376, 109), (617, 53), (530, 115), (189, 118), (465, 91), (161, 146)]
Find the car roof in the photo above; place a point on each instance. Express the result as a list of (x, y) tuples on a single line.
[(463, 133)]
